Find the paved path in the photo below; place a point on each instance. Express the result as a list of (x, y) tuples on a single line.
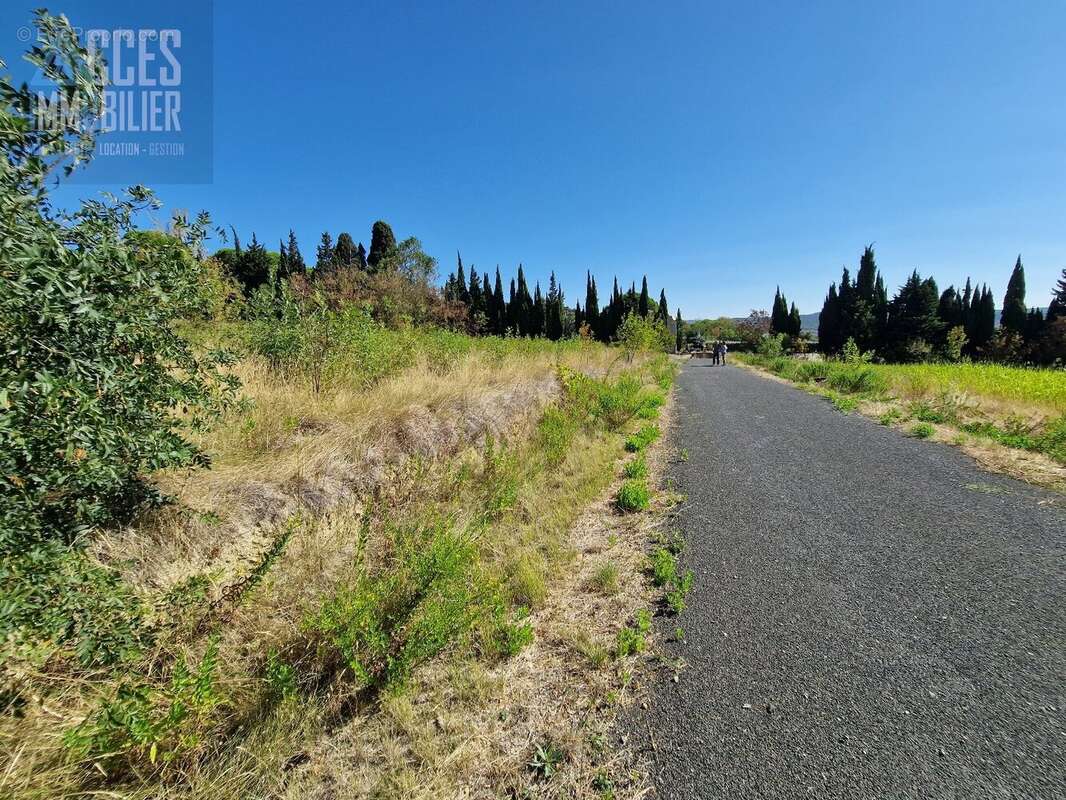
[(873, 616)]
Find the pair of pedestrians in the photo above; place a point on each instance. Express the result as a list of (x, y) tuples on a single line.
[(718, 352)]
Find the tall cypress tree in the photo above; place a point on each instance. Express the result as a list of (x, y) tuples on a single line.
[(592, 304), (1015, 314), (663, 312), (360, 257), (525, 314), (679, 339), (795, 324), (536, 324), (283, 260), (643, 305), (477, 302), (553, 323), (500, 306), (514, 311), (296, 261), (382, 245), (779, 313), (829, 322), (462, 293), (984, 318)]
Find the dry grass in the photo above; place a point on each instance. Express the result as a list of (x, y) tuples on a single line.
[(327, 478)]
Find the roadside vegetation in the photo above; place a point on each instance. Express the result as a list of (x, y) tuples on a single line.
[(267, 533), (988, 409)]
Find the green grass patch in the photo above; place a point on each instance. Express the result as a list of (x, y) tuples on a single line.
[(921, 430), (642, 438), (637, 468), (633, 495)]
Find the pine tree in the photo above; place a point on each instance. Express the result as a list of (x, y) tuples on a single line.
[(1057, 307), (643, 304), (296, 261), (344, 252), (382, 245), (252, 268), (1015, 314), (913, 325), (360, 257), (324, 258)]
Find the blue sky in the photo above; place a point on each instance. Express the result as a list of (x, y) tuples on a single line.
[(721, 148)]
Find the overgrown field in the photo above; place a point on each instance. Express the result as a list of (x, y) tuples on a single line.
[(970, 404), (327, 611)]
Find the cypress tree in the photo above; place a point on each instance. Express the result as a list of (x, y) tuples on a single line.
[(829, 322), (382, 244), (236, 243), (553, 323), (1034, 325), (643, 304), (344, 252), (536, 323), (1015, 314), (477, 303), (296, 261), (360, 257), (283, 260), (913, 324), (679, 335), (795, 324), (324, 258), (779, 313), (500, 306), (592, 304), (663, 312), (514, 311), (462, 293), (579, 318)]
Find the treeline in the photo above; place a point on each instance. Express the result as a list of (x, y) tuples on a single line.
[(489, 311), (920, 322)]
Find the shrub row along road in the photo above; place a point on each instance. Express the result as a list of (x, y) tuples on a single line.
[(873, 616)]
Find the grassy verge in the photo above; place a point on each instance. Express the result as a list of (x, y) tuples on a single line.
[(304, 627), (989, 410)]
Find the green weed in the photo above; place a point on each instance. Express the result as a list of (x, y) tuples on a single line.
[(633, 495)]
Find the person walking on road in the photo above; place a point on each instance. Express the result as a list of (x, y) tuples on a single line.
[(715, 352), (724, 349)]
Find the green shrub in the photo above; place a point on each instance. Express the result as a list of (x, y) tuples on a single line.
[(385, 624), (663, 567), (632, 638), (633, 495), (637, 468), (922, 430), (145, 724), (642, 438), (890, 417), (555, 432), (679, 589)]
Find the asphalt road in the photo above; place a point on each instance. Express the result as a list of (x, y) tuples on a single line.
[(873, 616)]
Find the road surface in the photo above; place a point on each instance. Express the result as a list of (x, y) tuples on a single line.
[(873, 616)]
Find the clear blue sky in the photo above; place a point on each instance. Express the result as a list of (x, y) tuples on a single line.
[(720, 148)]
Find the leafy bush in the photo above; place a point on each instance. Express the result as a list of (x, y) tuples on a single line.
[(633, 495), (145, 722), (678, 591), (96, 387), (637, 468), (383, 625), (642, 438), (922, 430), (632, 638), (663, 567)]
